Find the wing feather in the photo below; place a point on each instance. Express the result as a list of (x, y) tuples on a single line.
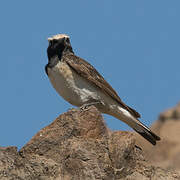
[(87, 71)]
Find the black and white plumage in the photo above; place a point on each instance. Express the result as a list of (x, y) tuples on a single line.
[(79, 83)]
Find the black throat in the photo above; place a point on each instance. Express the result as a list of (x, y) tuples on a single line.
[(55, 54)]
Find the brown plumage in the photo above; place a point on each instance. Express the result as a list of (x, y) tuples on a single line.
[(79, 83), (87, 71)]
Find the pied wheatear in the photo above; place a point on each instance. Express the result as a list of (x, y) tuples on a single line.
[(80, 84)]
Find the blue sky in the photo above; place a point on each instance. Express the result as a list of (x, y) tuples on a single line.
[(134, 44)]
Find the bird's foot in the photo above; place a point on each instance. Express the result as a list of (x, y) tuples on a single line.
[(72, 109), (85, 107)]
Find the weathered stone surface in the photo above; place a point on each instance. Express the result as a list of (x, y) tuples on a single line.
[(166, 153), (78, 146)]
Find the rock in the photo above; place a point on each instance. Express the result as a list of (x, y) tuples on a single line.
[(79, 146), (166, 153)]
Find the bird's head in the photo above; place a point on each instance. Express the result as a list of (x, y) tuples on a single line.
[(58, 44)]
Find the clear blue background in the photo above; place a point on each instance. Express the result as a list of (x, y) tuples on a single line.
[(134, 44)]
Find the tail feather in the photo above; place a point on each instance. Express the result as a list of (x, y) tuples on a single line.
[(145, 132), (148, 135), (134, 123)]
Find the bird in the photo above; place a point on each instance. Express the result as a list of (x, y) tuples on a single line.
[(79, 83)]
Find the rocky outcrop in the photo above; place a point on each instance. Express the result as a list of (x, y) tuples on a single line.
[(79, 146), (166, 153)]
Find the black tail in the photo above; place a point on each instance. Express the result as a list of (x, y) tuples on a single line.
[(135, 124), (147, 133)]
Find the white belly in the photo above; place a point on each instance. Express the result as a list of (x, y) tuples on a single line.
[(71, 86), (77, 91)]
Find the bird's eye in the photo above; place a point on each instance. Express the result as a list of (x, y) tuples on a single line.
[(67, 40), (55, 41)]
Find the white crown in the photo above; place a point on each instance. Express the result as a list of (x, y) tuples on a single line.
[(58, 36)]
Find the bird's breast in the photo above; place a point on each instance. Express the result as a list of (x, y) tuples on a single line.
[(70, 85)]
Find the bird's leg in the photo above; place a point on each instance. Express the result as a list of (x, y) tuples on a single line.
[(85, 106), (71, 109)]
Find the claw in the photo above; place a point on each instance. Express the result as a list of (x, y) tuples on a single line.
[(84, 107)]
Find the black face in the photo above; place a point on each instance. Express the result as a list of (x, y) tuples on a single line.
[(57, 46), (55, 50)]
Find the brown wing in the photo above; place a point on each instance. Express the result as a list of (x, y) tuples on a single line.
[(89, 72)]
